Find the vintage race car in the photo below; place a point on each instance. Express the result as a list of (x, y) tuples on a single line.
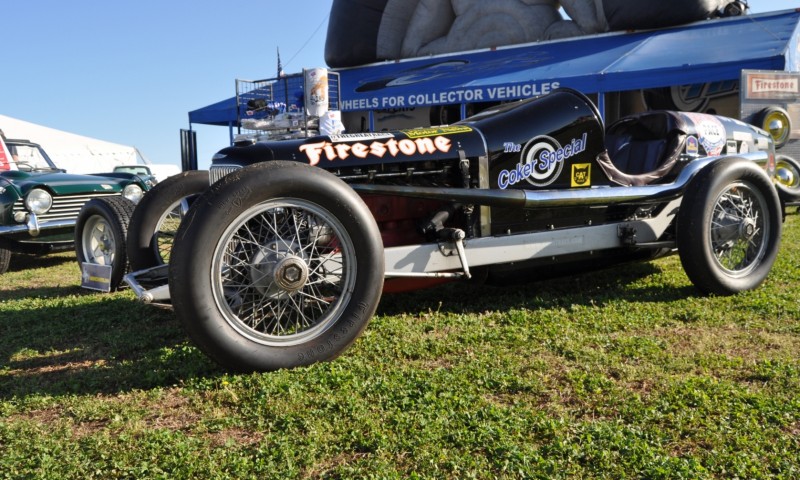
[(283, 259), (41, 206)]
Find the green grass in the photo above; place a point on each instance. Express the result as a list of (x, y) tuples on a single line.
[(625, 373)]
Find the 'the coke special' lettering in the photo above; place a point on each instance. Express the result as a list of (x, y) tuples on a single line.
[(393, 147), (543, 168)]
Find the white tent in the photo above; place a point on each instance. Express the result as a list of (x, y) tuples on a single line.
[(74, 153)]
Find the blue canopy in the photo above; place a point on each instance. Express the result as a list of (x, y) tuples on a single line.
[(706, 51), (221, 113)]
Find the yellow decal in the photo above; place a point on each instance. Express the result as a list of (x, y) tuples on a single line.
[(581, 175), (435, 131)]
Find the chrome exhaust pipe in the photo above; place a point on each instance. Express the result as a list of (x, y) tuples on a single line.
[(519, 198)]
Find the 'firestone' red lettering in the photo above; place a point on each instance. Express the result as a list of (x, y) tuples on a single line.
[(423, 146)]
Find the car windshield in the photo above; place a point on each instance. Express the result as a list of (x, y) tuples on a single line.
[(30, 157), (133, 169)]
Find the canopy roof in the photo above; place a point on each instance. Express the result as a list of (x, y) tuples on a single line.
[(706, 51)]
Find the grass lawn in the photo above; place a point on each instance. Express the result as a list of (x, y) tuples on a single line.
[(625, 373)]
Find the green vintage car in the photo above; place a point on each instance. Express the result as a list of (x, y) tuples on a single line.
[(44, 209)]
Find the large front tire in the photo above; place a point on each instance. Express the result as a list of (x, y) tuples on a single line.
[(729, 227), (157, 217), (278, 265), (100, 233)]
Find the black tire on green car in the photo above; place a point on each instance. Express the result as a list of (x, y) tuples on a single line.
[(100, 233), (729, 227), (5, 259), (277, 265), (787, 178), (156, 219)]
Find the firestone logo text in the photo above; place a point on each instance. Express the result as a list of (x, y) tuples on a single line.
[(393, 147)]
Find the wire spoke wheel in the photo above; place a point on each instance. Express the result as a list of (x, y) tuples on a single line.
[(158, 216), (284, 269), (729, 227), (739, 227), (166, 228), (277, 265)]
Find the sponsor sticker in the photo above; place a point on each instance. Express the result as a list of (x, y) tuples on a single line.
[(581, 175), (360, 137), (543, 159), (692, 146), (710, 131), (436, 131)]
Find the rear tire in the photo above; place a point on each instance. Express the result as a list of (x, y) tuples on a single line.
[(729, 227), (5, 260), (157, 217), (100, 233), (277, 265)]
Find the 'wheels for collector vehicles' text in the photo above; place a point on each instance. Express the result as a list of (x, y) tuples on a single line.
[(729, 227), (157, 217), (100, 234), (285, 268)]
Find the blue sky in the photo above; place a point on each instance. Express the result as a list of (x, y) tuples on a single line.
[(129, 72)]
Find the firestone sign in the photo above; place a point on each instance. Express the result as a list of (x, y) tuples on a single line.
[(772, 85)]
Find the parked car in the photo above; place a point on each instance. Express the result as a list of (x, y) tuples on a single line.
[(40, 205), (281, 262), (142, 171)]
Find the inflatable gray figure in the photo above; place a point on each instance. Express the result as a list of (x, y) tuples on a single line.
[(366, 31)]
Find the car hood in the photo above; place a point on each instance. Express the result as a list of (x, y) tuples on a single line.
[(64, 183)]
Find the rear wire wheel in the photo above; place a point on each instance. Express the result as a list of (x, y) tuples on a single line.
[(278, 265), (157, 217), (729, 230)]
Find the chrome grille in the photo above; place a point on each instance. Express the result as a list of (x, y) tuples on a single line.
[(218, 171), (64, 207)]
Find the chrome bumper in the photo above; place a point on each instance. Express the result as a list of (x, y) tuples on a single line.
[(34, 228)]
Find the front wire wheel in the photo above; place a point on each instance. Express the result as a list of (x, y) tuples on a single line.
[(729, 227), (282, 272), (277, 265)]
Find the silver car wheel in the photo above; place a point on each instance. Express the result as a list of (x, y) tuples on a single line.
[(283, 272), (739, 227)]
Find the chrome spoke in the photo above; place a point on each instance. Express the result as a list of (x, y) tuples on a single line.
[(283, 271)]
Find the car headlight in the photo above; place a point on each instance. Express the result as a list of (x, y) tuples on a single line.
[(133, 193), (38, 201)]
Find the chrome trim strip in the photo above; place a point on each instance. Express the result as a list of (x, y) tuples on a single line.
[(5, 229), (518, 198)]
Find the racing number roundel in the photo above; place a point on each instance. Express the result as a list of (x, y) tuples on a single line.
[(540, 154)]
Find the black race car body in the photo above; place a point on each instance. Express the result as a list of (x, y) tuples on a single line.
[(290, 245)]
